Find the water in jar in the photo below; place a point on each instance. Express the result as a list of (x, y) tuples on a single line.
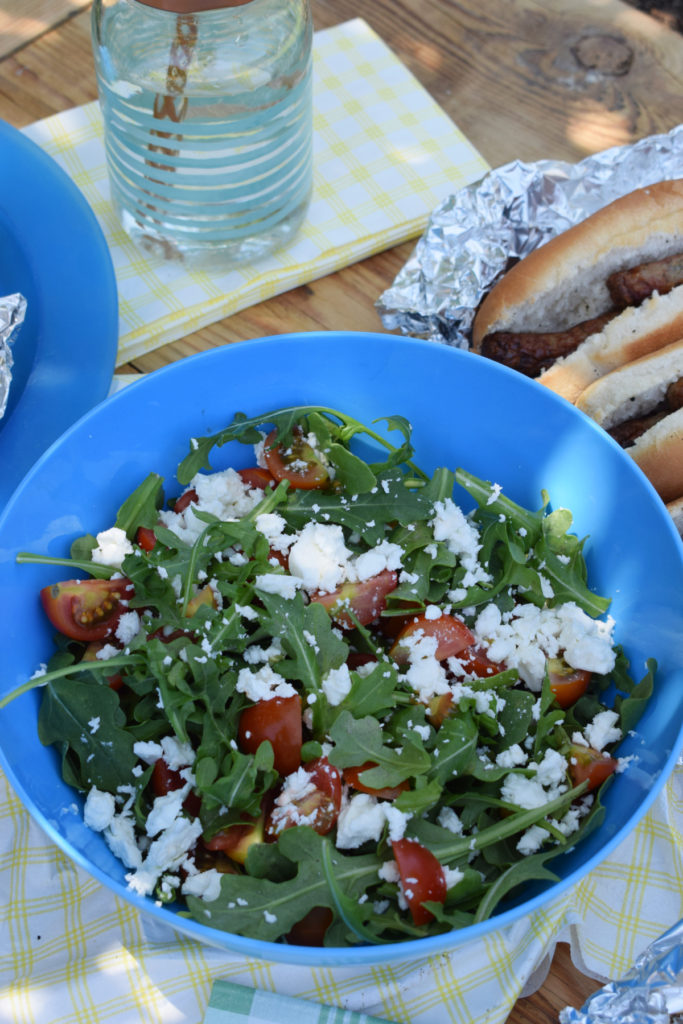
[(207, 125)]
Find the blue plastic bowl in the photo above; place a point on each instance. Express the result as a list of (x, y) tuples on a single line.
[(466, 411)]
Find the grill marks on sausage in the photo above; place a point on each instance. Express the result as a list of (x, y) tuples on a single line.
[(532, 352), (628, 432)]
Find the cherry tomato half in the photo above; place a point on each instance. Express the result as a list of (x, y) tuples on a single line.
[(297, 462), (277, 720), (186, 498), (476, 662), (567, 683), (166, 779), (86, 609), (145, 538), (236, 840), (318, 805), (588, 764), (422, 877), (257, 478), (452, 637), (367, 599), (353, 778)]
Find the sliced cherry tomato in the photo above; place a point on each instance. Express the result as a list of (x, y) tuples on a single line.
[(567, 683), (476, 662), (422, 877), (90, 654), (257, 478), (588, 764), (165, 780), (353, 778), (186, 498), (145, 538), (86, 609), (236, 840), (318, 805), (367, 599), (452, 637), (297, 462), (310, 930), (277, 720)]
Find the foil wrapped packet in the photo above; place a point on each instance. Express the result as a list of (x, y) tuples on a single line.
[(12, 312), (650, 993), (474, 235)]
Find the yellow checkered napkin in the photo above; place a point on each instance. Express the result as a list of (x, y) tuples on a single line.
[(72, 953), (385, 155)]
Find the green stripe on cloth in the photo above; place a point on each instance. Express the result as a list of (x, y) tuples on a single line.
[(231, 1004)]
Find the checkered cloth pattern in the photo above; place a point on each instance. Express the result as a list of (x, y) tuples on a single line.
[(73, 953), (385, 154)]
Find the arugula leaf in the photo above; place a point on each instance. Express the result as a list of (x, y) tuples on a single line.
[(359, 740), (86, 723)]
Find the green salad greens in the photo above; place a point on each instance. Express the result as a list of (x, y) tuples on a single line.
[(313, 701)]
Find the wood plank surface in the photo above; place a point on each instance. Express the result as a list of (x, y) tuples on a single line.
[(21, 21), (524, 79)]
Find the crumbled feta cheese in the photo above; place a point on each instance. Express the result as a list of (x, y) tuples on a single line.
[(204, 884), (128, 627), (370, 563), (263, 684), (527, 636), (603, 730), (279, 583), (360, 820), (461, 537), (319, 556), (99, 809), (336, 685), (112, 547)]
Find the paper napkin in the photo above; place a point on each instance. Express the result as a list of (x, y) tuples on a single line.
[(385, 154)]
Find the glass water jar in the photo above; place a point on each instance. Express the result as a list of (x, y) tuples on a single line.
[(208, 123)]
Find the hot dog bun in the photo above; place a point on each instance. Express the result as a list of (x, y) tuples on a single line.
[(563, 283), (637, 390), (633, 390), (635, 333)]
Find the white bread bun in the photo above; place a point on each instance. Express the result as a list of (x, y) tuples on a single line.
[(676, 512), (635, 333), (659, 453), (564, 281), (633, 390)]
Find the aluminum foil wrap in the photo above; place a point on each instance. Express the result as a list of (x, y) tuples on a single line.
[(474, 235), (651, 992), (12, 311)]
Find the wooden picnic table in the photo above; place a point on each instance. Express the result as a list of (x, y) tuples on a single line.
[(525, 79)]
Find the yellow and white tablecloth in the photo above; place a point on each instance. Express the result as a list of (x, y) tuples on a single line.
[(385, 154), (73, 953)]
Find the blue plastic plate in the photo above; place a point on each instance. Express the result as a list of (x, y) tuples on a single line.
[(465, 411), (53, 252)]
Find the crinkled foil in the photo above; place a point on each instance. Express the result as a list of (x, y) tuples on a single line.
[(651, 992), (474, 234), (12, 311)]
